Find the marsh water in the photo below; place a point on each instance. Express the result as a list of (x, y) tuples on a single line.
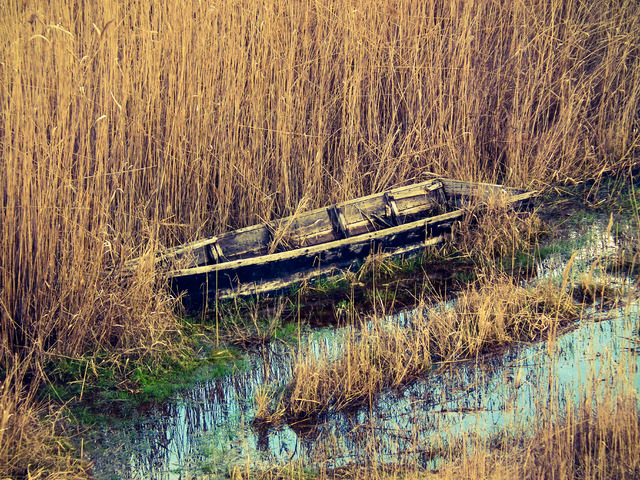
[(208, 431)]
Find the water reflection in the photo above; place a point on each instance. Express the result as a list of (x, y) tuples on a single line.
[(207, 430)]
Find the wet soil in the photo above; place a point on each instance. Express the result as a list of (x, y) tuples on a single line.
[(319, 305)]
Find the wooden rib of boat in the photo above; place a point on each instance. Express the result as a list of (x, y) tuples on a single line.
[(277, 254)]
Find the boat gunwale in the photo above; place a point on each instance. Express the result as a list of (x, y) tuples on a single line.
[(316, 211), (364, 237), (445, 183)]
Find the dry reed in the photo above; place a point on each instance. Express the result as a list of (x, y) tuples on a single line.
[(131, 125), (127, 125), (385, 355), (491, 231), (584, 443), (32, 443)]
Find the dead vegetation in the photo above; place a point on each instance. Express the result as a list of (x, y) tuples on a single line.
[(142, 140), (382, 355), (588, 444), (128, 126), (592, 442), (33, 442), (491, 230)]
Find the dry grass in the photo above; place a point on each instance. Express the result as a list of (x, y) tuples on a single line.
[(373, 359), (491, 230), (596, 437), (495, 314), (129, 125), (600, 442), (594, 442), (600, 291), (386, 355), (248, 324), (32, 444)]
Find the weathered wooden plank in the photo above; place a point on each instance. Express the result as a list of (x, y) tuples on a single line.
[(303, 232), (391, 208), (417, 205), (205, 291), (308, 228), (268, 267), (312, 242), (310, 239), (460, 193), (358, 217), (362, 218), (245, 243)]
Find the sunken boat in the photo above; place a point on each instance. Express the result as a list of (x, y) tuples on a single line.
[(275, 255)]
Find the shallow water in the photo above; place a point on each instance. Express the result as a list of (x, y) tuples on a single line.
[(206, 432)]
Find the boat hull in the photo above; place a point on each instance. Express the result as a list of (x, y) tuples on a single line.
[(250, 261)]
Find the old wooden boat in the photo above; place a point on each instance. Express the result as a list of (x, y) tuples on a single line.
[(275, 255)]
